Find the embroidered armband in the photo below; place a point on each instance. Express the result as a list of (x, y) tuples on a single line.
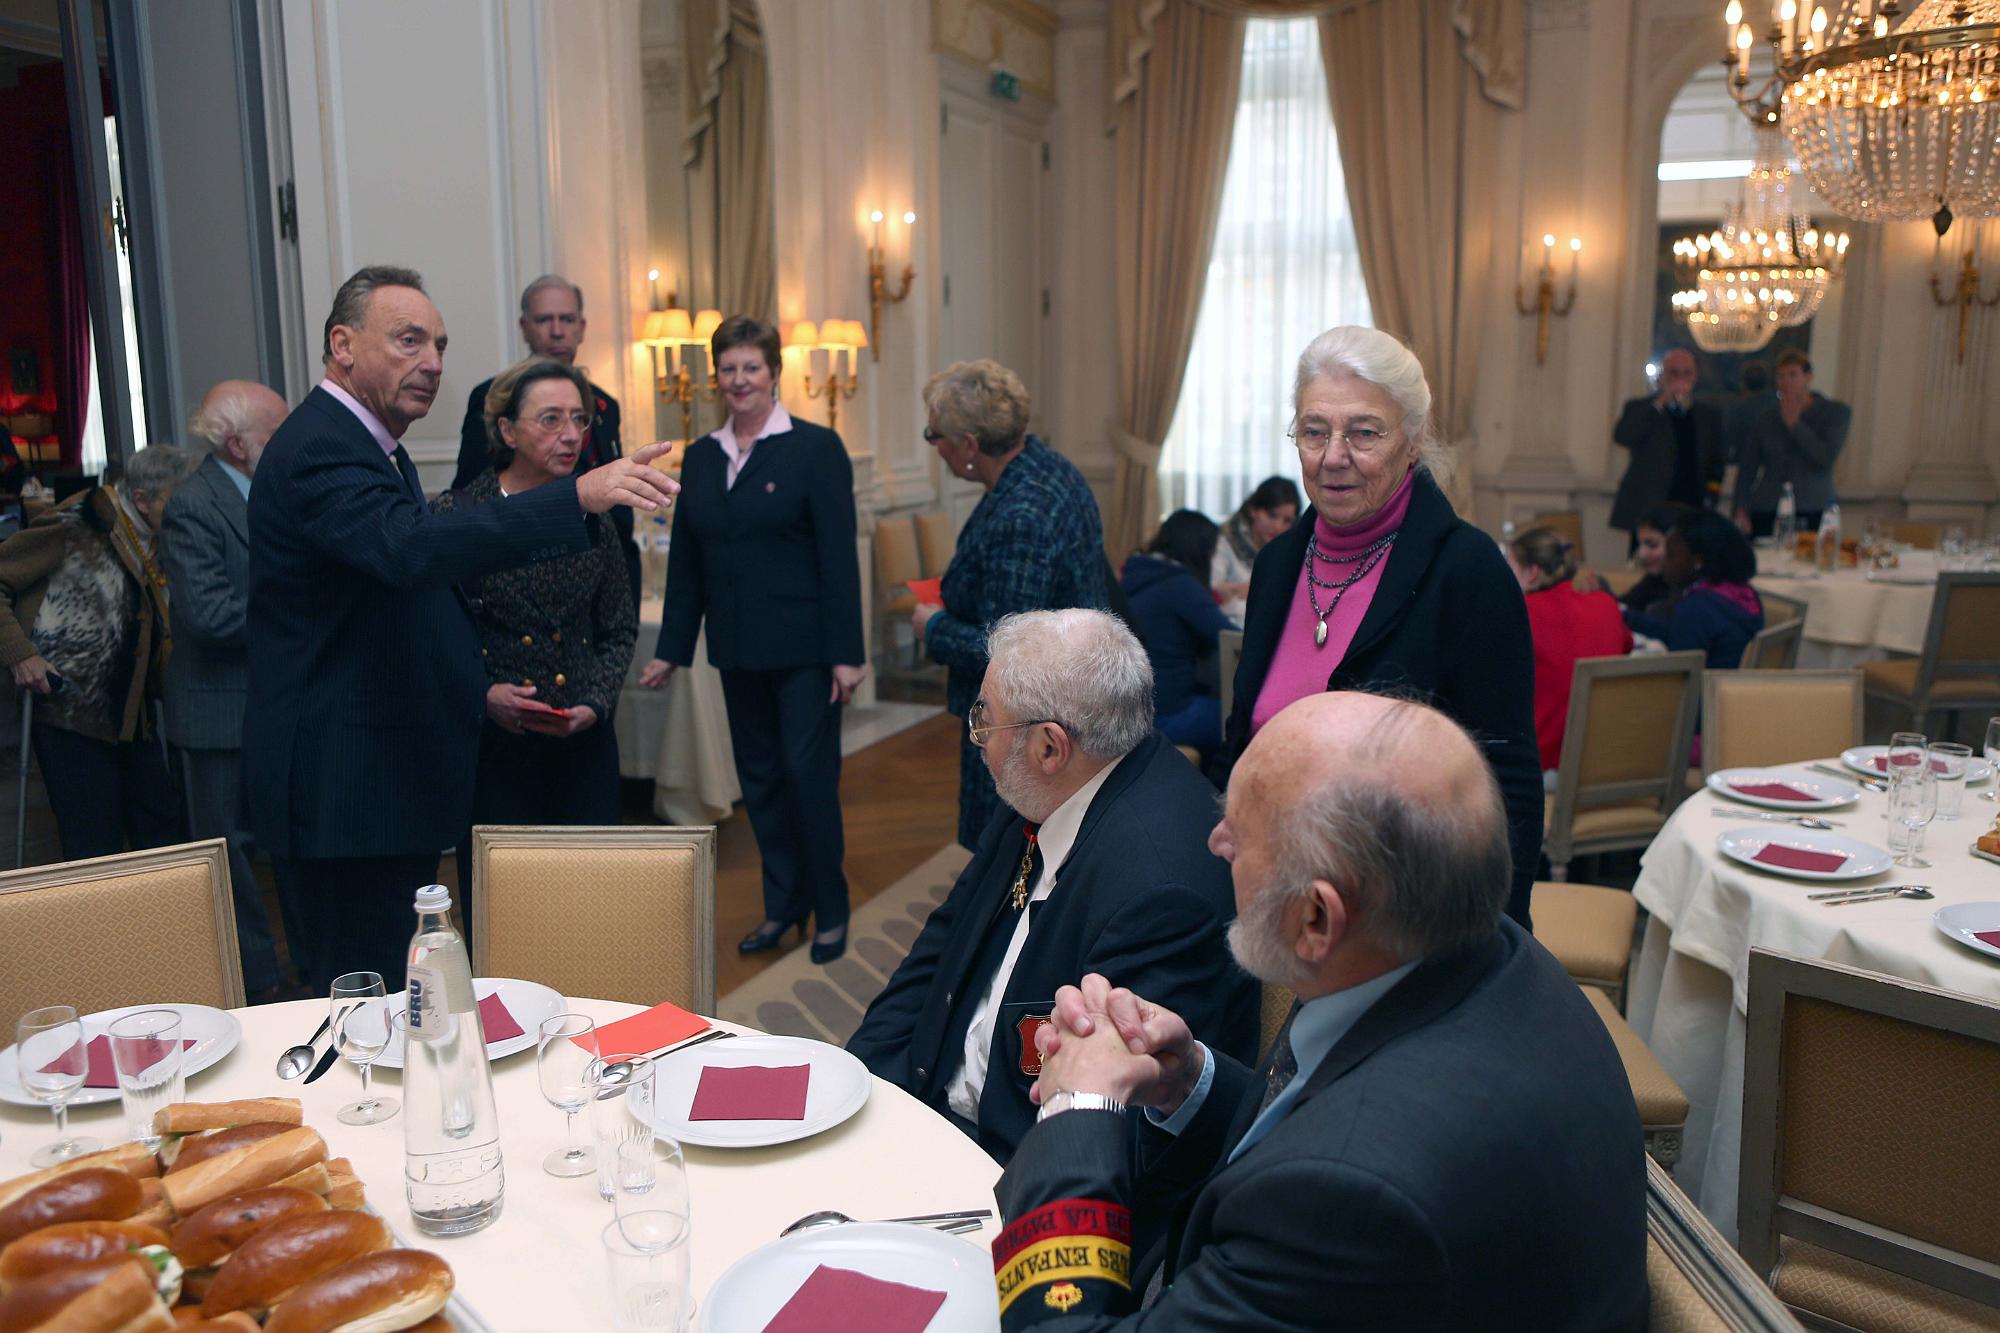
[(1067, 1250)]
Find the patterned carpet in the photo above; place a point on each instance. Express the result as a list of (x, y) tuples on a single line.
[(796, 998)]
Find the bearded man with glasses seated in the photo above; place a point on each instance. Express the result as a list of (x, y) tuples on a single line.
[(1098, 860)]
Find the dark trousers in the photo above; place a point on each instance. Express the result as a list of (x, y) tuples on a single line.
[(540, 780), (215, 799), (357, 914), (786, 738), (107, 795)]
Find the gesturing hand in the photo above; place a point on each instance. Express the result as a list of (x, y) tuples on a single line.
[(1106, 1039), (631, 480)]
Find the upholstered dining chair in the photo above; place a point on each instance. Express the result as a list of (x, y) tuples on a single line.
[(1588, 928), (935, 542), (1959, 668), (1868, 1161), (1624, 755), (1618, 582), (1697, 1281), (624, 912), (1923, 536), (1759, 719), (156, 926), (1228, 652), (896, 566), (1566, 523), (1781, 610), (1775, 647), (1663, 1107)]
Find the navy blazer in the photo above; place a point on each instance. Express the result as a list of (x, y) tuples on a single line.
[(770, 562), (1467, 1157), (361, 731), (1140, 898), (205, 552)]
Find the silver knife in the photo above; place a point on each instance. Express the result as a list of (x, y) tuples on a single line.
[(1848, 775), (325, 1063)]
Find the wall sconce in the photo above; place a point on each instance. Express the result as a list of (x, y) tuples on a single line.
[(666, 332), (832, 336), (878, 283), (1546, 302), (1964, 292)]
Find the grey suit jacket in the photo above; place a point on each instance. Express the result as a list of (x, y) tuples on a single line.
[(205, 550)]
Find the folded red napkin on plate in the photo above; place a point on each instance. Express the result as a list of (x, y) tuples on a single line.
[(1991, 937), (498, 1024), (929, 591), (840, 1300), (662, 1025), (751, 1092), (1799, 858), (101, 1072), (1882, 764), (1770, 791)]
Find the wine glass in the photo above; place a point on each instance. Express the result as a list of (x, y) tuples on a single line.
[(49, 1051), (1992, 751), (361, 1028), (1907, 749), (1912, 804), (564, 1049)]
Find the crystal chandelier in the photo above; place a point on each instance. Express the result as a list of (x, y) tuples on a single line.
[(1893, 118), (1767, 267)]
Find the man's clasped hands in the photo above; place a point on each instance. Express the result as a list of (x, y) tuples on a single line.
[(1104, 1039)]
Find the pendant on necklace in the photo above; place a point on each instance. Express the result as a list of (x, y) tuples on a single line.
[(1319, 634)]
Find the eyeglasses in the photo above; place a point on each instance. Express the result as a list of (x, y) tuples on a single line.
[(933, 436), (553, 419), (976, 728), (1311, 439)]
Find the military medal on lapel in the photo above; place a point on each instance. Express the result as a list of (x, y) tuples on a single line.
[(1020, 893), (1031, 1054)]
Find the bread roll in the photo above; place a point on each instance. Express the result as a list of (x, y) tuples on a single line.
[(378, 1293), (96, 1195), (346, 1192), (247, 1167), (132, 1159), (286, 1253), (238, 1322), (104, 1296), (194, 1117), (214, 1232), (437, 1323), (315, 1178), (68, 1243), (197, 1148)]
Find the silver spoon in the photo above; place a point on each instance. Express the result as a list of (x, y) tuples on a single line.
[(1803, 821), (954, 1223), (1913, 892), (298, 1059)]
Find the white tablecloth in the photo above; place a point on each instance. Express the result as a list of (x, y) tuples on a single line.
[(1689, 991), (540, 1267), (678, 735), (1855, 615)]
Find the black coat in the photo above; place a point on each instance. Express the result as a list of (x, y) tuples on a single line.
[(1448, 626), (361, 728), (1140, 899), (770, 562), (1648, 433), (1467, 1156)]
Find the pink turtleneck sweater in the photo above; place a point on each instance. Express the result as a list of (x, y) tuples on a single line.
[(1300, 667)]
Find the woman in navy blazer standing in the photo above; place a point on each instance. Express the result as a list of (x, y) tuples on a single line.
[(763, 550)]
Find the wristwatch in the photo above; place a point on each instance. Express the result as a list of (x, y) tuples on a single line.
[(1064, 1100)]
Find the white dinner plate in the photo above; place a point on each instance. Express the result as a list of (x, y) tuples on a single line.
[(530, 1002), (1822, 793), (1960, 920), (214, 1033), (756, 1287), (1862, 760), (1863, 858), (837, 1087)]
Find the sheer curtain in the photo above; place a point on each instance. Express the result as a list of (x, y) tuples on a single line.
[(1284, 269)]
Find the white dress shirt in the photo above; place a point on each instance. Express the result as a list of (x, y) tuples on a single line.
[(1056, 837), (777, 423)]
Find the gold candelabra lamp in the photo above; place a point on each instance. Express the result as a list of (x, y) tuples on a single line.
[(666, 333), (1546, 302), (878, 284), (832, 336), (1964, 293)]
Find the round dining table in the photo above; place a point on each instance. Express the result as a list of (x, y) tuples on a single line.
[(1855, 615), (540, 1267), (1689, 990)]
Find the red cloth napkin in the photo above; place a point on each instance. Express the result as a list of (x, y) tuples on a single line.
[(839, 1300), (751, 1092), (929, 591), (1882, 764), (101, 1073), (1798, 858), (662, 1025), (1771, 791), (498, 1024), (1991, 937)]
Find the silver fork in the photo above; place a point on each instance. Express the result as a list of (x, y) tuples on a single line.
[(1803, 821)]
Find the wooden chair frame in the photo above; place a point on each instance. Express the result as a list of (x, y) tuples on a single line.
[(1228, 652), (1764, 1212), (1669, 788), (1732, 1290), (1919, 701), (485, 838), (1782, 638), (1780, 610), (1713, 682)]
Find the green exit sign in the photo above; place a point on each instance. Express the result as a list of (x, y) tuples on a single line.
[(1006, 85)]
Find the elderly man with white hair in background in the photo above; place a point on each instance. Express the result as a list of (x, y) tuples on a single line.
[(1442, 1136), (205, 551), (1097, 862)]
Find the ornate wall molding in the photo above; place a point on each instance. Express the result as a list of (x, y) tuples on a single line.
[(1015, 35)]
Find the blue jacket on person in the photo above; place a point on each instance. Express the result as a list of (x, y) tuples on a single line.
[(1177, 620), (1712, 618)]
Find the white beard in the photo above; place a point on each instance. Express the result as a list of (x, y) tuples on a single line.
[(1258, 944)]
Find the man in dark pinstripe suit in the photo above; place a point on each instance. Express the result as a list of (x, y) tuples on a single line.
[(361, 731)]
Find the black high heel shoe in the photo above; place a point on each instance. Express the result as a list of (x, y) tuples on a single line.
[(761, 939), (826, 953)]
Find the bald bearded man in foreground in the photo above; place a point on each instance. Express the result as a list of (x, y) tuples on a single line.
[(1442, 1138)]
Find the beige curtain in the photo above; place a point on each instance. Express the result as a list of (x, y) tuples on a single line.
[(726, 151), (1174, 70), (1417, 127)]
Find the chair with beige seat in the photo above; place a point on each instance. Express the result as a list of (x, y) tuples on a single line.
[(1868, 1162), (1760, 719), (1699, 1284), (1775, 647), (935, 542), (1588, 928), (1781, 610), (1624, 755), (1959, 668), (896, 566), (1923, 536), (148, 927), (1663, 1107), (1566, 524), (625, 912)]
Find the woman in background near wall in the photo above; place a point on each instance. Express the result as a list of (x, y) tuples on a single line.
[(1176, 618), (1269, 510)]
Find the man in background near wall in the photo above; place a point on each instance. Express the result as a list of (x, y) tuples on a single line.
[(552, 325), (205, 550), (1797, 439), (1675, 445)]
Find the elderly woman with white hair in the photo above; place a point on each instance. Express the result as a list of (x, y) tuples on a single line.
[(1383, 587)]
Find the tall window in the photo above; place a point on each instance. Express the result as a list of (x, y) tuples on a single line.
[(1285, 268)]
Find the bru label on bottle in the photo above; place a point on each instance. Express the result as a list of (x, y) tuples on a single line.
[(428, 1010)]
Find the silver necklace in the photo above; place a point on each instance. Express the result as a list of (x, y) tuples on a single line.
[(1363, 561)]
